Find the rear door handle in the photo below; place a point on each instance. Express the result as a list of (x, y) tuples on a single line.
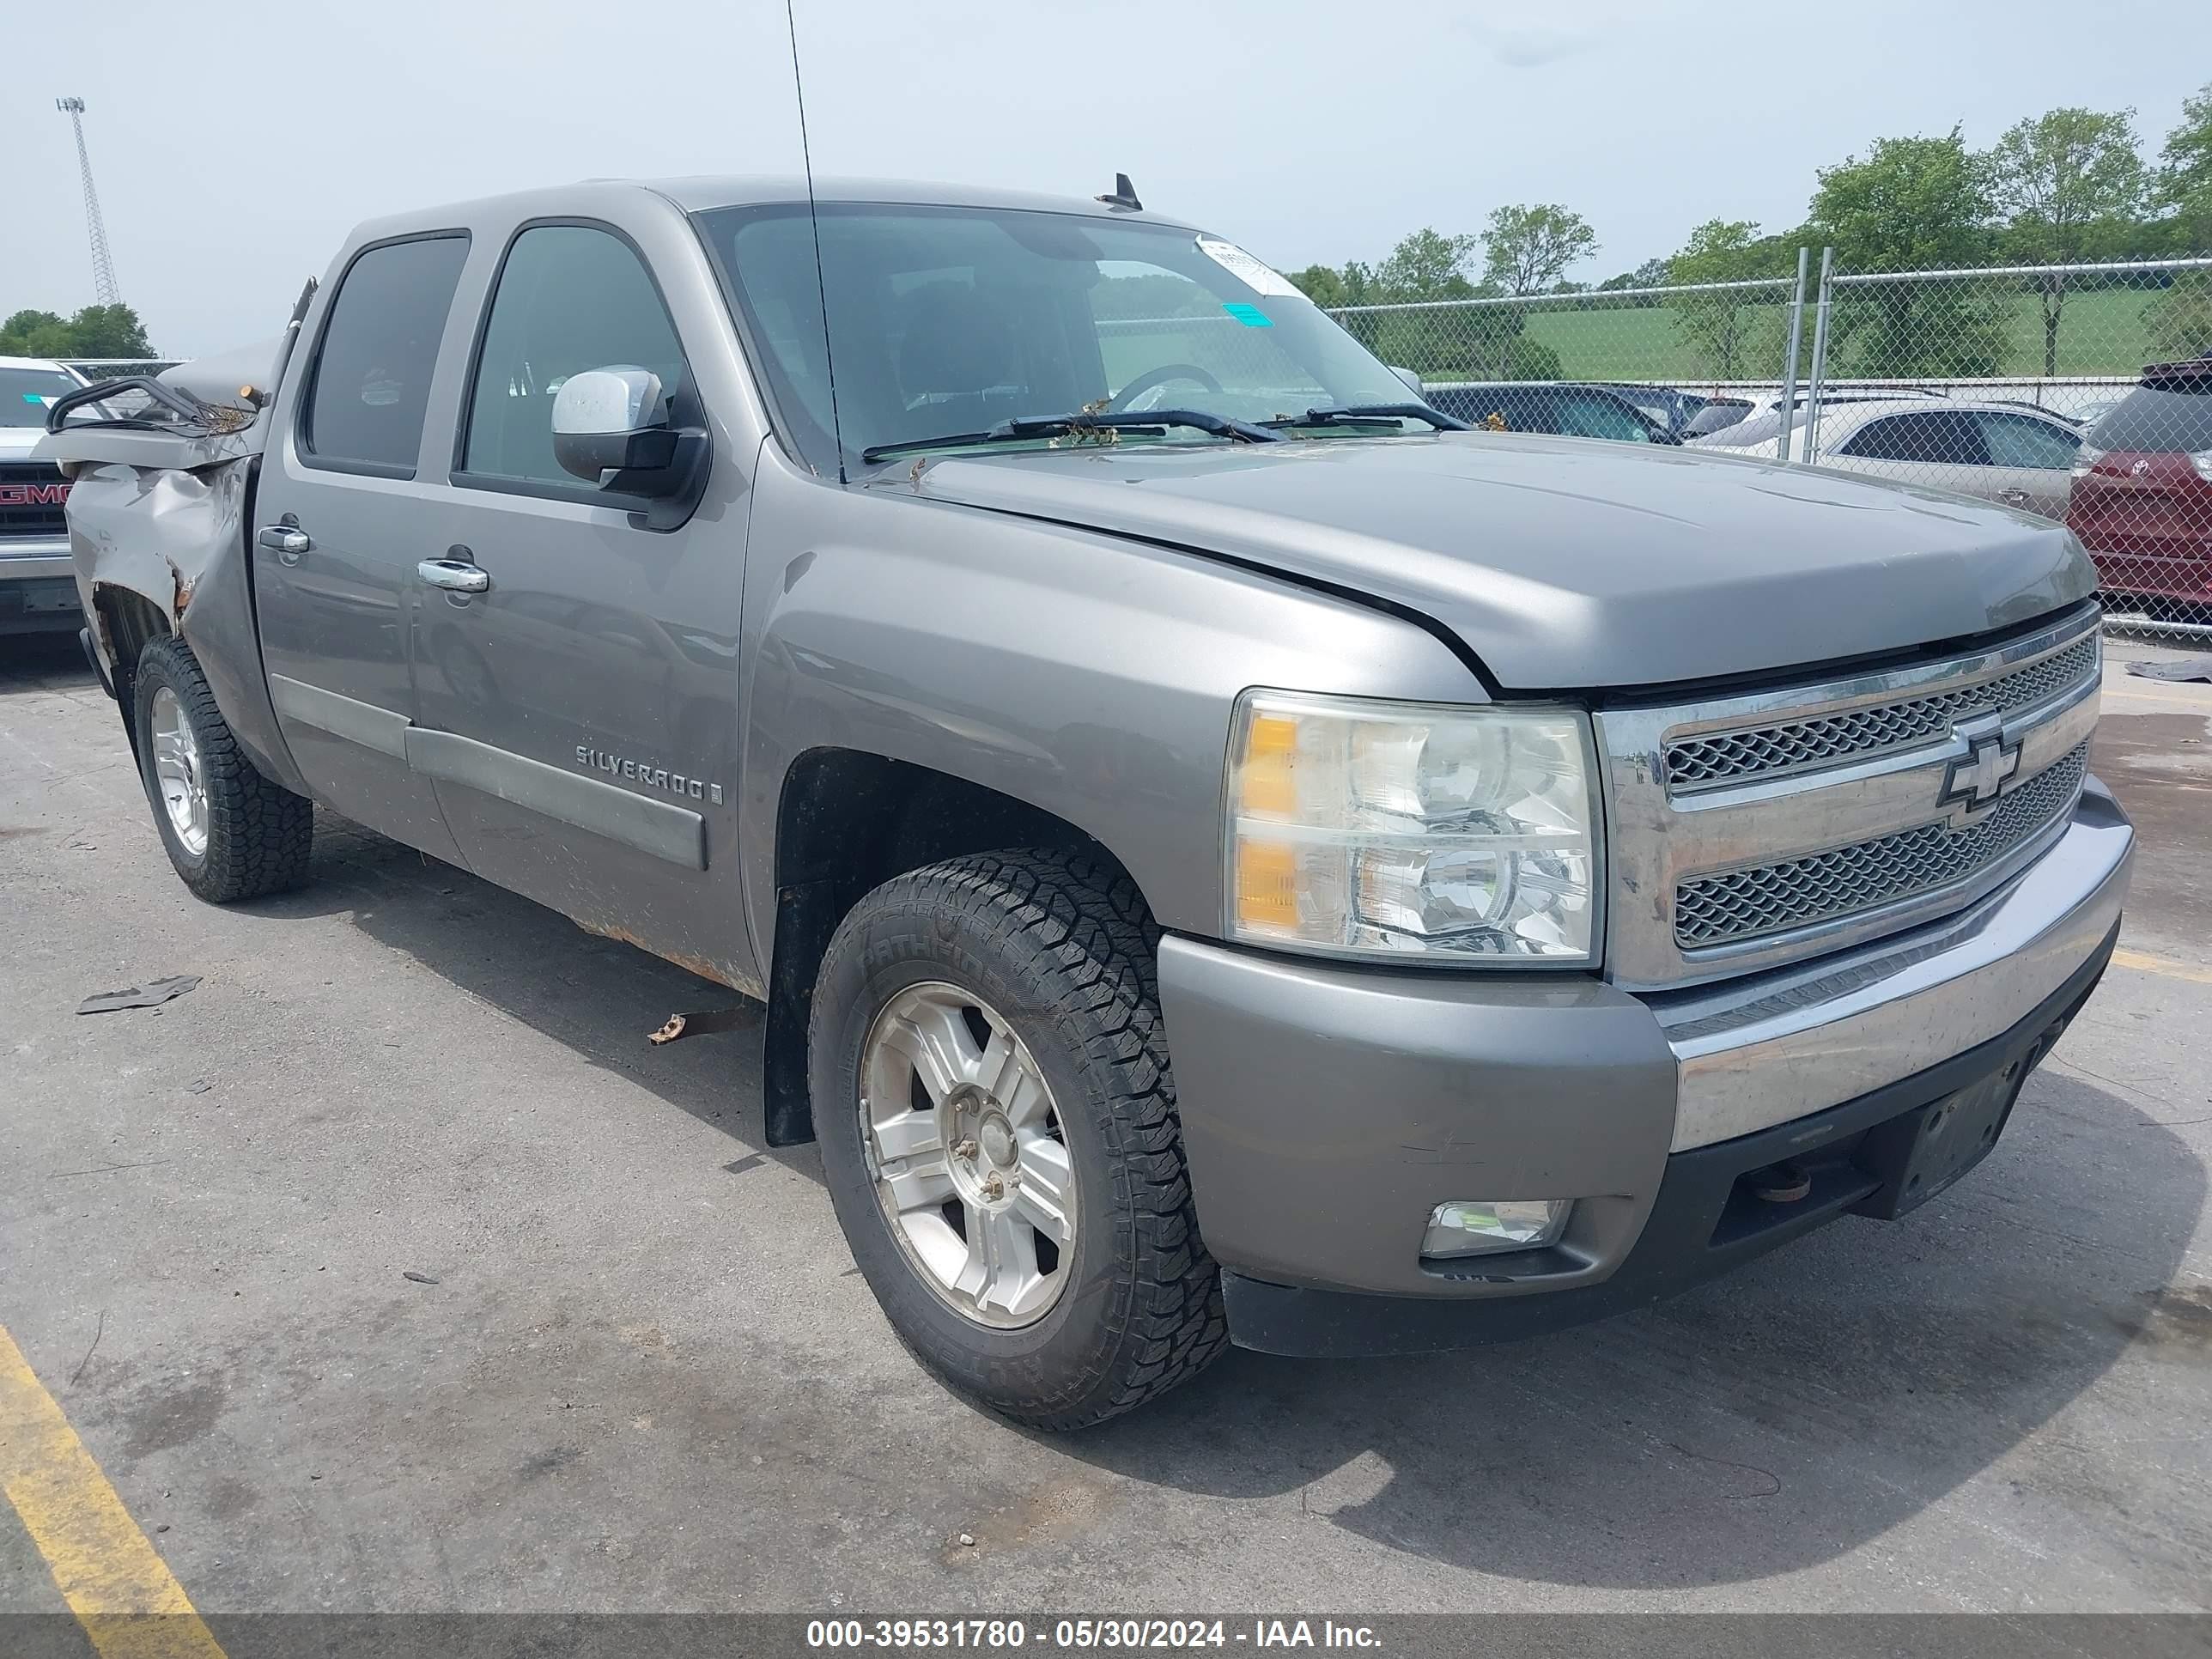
[(455, 576), (286, 541)]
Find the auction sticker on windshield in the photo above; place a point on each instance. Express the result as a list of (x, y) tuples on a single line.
[(1263, 279)]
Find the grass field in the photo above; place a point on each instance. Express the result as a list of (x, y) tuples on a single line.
[(2100, 333)]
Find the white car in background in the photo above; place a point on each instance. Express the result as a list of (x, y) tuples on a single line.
[(1758, 430), (2001, 452)]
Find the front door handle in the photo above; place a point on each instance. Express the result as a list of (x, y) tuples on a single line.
[(455, 576), (286, 541)]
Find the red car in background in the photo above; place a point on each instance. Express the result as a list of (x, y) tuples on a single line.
[(2142, 500)]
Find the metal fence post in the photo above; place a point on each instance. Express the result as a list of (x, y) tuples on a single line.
[(1790, 360), (1819, 374)]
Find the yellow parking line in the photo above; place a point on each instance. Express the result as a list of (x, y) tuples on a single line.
[(130, 1605), (2143, 964)]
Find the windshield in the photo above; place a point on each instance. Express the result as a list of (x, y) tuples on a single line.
[(947, 321), (26, 392)]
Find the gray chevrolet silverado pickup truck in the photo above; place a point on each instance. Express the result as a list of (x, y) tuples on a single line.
[(1227, 856)]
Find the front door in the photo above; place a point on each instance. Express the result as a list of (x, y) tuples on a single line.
[(2034, 457), (579, 711), (340, 524)]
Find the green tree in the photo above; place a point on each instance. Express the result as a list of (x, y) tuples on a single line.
[(1423, 266), (1527, 248), (1732, 328), (1322, 284), (2185, 176), (2071, 186), (94, 332), (2179, 320), (1911, 204), (1426, 265), (1652, 273)]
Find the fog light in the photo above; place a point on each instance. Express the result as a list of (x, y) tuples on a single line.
[(1479, 1226)]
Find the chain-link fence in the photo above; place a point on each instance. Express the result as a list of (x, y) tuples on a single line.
[(2023, 385)]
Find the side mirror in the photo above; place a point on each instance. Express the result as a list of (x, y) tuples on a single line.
[(1412, 380), (615, 421)]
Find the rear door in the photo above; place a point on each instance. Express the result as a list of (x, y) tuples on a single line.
[(341, 521), (579, 712)]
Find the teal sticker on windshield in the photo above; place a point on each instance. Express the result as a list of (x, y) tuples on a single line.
[(1250, 316)]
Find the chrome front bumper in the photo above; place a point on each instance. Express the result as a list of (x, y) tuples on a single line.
[(33, 559), (1752, 1053)]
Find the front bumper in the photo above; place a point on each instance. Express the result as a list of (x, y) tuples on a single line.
[(1326, 1110), (38, 588)]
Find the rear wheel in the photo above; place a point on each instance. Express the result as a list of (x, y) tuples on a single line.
[(230, 833), (998, 1130)]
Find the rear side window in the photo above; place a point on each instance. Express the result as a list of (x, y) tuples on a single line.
[(378, 348), (2157, 420), (570, 297), (1941, 438)]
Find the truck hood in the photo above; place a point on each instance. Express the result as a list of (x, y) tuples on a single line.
[(1565, 562)]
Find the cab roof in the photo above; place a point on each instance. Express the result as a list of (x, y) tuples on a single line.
[(703, 192)]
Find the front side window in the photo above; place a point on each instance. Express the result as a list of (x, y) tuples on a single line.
[(946, 320), (569, 298), (378, 348), (2023, 441)]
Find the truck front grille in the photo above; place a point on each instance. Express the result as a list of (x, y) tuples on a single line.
[(1775, 898), (31, 497), (1789, 746), (1755, 827)]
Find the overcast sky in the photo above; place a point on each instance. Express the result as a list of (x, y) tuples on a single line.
[(235, 144)]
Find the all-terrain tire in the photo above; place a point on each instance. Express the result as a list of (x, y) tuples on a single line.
[(1062, 944), (260, 834)]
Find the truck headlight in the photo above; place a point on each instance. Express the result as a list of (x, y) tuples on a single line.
[(1465, 836)]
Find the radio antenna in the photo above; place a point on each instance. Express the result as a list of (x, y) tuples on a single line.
[(814, 222)]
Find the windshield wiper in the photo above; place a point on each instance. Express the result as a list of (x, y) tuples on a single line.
[(1151, 421), (1371, 414)]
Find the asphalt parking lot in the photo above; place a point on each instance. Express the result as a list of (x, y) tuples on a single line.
[(391, 1269)]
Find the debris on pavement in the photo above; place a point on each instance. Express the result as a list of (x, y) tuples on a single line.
[(699, 1024), (2186, 669), (198, 1086), (151, 994), (420, 1279)]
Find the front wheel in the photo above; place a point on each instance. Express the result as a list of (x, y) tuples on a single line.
[(231, 832), (998, 1130)]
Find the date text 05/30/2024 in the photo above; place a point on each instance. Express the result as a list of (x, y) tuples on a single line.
[(1110, 1634)]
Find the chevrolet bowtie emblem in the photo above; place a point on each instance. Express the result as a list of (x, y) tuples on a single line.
[(1979, 777)]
